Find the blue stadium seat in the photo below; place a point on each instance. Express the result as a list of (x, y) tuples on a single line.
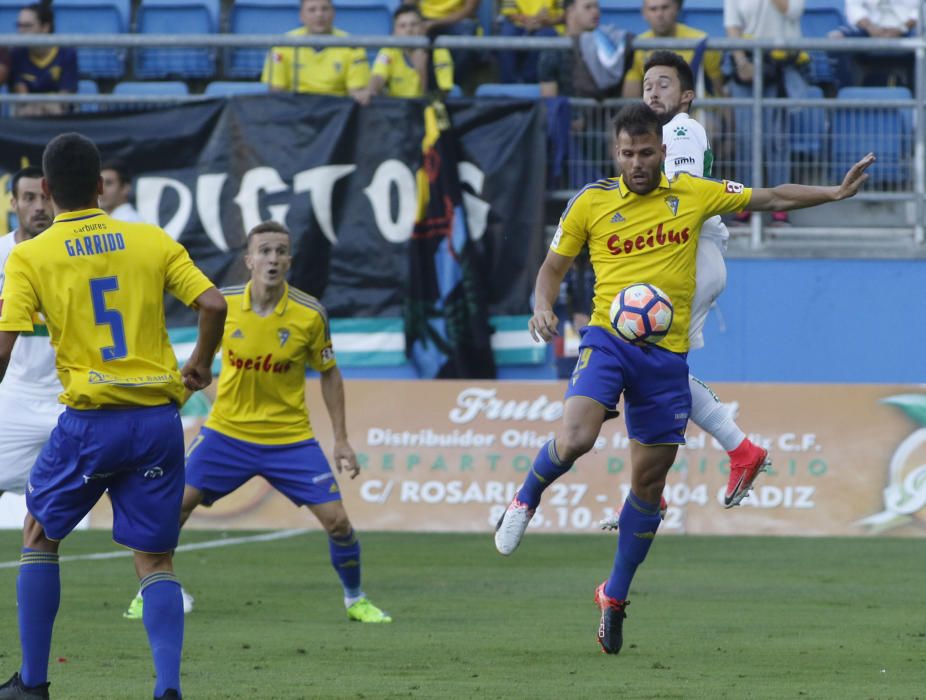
[(176, 17), (88, 87), (707, 19), (455, 91), (819, 19), (623, 16), (94, 17), (257, 17), (153, 87), (122, 7), (885, 131), (9, 11), (526, 91), (361, 18), (226, 88), (808, 127)]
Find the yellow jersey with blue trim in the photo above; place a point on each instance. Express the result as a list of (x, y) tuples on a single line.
[(261, 390), (335, 70), (402, 79), (100, 283), (645, 238)]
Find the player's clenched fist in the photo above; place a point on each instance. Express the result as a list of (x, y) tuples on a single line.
[(543, 326)]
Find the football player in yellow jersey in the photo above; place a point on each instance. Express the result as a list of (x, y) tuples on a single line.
[(404, 72), (259, 424), (639, 227), (100, 285), (336, 70)]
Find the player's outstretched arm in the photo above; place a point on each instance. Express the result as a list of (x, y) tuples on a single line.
[(544, 322), (787, 197), (197, 372), (7, 339), (333, 393)]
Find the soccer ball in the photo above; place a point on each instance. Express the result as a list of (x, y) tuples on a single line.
[(642, 312)]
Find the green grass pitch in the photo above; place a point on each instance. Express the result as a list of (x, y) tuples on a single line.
[(710, 617)]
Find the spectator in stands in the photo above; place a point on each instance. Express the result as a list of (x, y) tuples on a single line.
[(457, 18), (782, 77), (4, 65), (662, 18), (41, 69), (336, 70), (565, 73), (526, 18), (405, 72), (117, 190), (879, 20)]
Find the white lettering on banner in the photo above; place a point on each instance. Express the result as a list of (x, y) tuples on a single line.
[(208, 189), (474, 401), (477, 210), (255, 181), (379, 192), (525, 438), (456, 492), (377, 437), (777, 497), (148, 193), (319, 182)]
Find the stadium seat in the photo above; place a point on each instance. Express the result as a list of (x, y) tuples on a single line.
[(176, 17), (883, 130), (821, 17), (363, 17), (226, 88), (9, 10), (122, 7), (88, 87), (455, 91), (257, 17), (94, 17), (706, 16), (153, 87), (623, 16), (526, 91), (808, 127)]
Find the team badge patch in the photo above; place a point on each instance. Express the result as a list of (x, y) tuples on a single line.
[(283, 335), (672, 203), (733, 187)]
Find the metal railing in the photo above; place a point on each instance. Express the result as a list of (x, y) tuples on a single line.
[(756, 139)]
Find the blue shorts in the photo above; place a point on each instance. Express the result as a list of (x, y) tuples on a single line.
[(135, 453), (217, 464), (654, 382)]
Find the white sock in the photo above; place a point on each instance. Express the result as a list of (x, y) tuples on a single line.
[(351, 599), (712, 416)]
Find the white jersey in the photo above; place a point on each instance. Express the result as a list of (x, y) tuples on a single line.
[(126, 212), (31, 372), (688, 150)]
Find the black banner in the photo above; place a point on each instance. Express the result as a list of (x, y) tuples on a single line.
[(341, 176)]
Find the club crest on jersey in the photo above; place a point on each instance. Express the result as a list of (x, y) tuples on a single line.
[(618, 218), (283, 335), (237, 335), (672, 203)]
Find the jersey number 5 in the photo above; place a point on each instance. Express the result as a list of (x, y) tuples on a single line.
[(108, 317)]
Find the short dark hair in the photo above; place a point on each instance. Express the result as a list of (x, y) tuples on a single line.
[(670, 59), (119, 167), (405, 9), (71, 163), (268, 226), (636, 120), (43, 13), (30, 172)]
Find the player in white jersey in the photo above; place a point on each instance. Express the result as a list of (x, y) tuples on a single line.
[(668, 89), (29, 391)]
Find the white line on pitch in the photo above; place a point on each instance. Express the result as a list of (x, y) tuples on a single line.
[(209, 544)]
